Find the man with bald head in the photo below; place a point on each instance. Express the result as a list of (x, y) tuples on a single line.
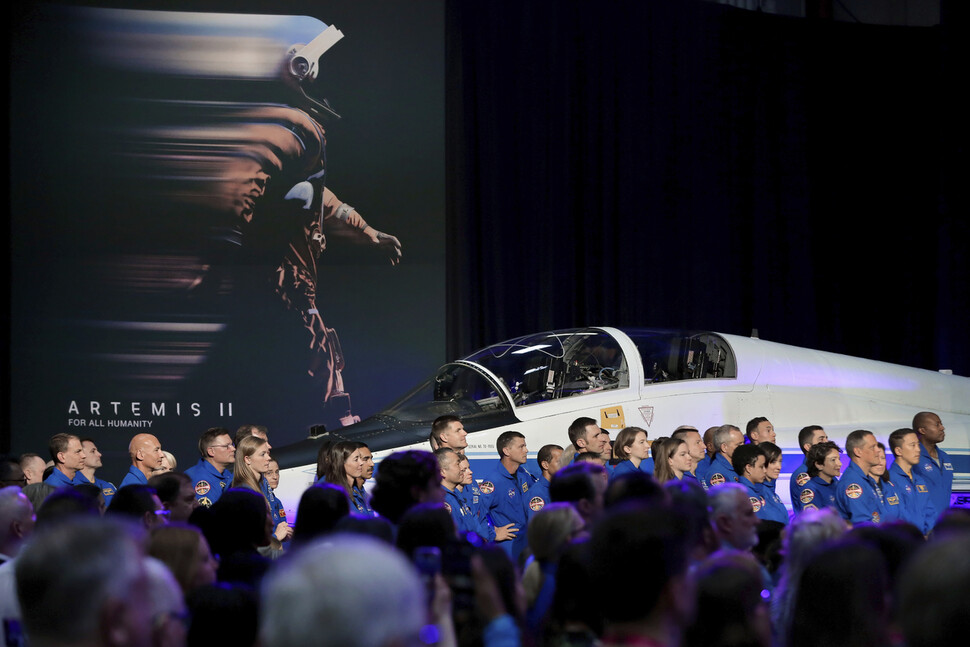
[(33, 466), (146, 455)]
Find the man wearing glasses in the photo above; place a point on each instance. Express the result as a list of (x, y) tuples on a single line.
[(212, 475)]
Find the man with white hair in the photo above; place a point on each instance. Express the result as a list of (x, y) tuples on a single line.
[(733, 517), (321, 587), (82, 583)]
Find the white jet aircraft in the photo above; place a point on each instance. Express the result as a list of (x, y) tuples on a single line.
[(657, 380)]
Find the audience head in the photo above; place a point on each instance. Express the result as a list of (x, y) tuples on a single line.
[(845, 583), (405, 479), (661, 595), (83, 582), (177, 494), (633, 486), (11, 473), (138, 503), (425, 524), (239, 521), (323, 458), (167, 605), (584, 486), (322, 586), (732, 516), (321, 507), (17, 519), (65, 503), (184, 549), (33, 467), (932, 592), (732, 605)]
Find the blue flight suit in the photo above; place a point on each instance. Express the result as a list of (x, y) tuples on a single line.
[(475, 500), (208, 482), (773, 509), (891, 502), (720, 471), (270, 498), (817, 494), (856, 497), (690, 477), (799, 479), (770, 484), (107, 489), (626, 466), (701, 470), (539, 494), (133, 477), (916, 499), (938, 477), (463, 516), (359, 501), (506, 497), (59, 479)]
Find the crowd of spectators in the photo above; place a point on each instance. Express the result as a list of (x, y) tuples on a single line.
[(681, 540)]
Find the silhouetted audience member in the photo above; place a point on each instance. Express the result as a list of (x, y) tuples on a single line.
[(185, 551), (657, 605), (238, 525), (83, 582), (168, 611), (690, 499), (633, 486), (933, 593), (732, 606), (583, 484), (319, 597), (225, 614), (321, 507), (65, 503), (138, 503), (404, 480), (425, 524), (359, 524), (175, 491), (841, 598)]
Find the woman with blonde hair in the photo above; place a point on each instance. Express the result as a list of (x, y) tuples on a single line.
[(252, 462), (672, 460), (632, 449), (549, 532)]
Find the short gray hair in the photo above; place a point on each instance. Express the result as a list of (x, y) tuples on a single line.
[(322, 586), (723, 435), (723, 499), (69, 570)]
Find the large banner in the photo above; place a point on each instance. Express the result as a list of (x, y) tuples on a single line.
[(221, 219)]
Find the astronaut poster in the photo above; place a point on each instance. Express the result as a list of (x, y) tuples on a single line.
[(222, 217)]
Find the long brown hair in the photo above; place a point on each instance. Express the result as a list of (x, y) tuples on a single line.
[(662, 471)]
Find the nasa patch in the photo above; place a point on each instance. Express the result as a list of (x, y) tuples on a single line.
[(202, 488), (536, 503), (487, 487), (755, 503), (802, 479), (807, 496), (716, 479), (511, 492), (854, 491)]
